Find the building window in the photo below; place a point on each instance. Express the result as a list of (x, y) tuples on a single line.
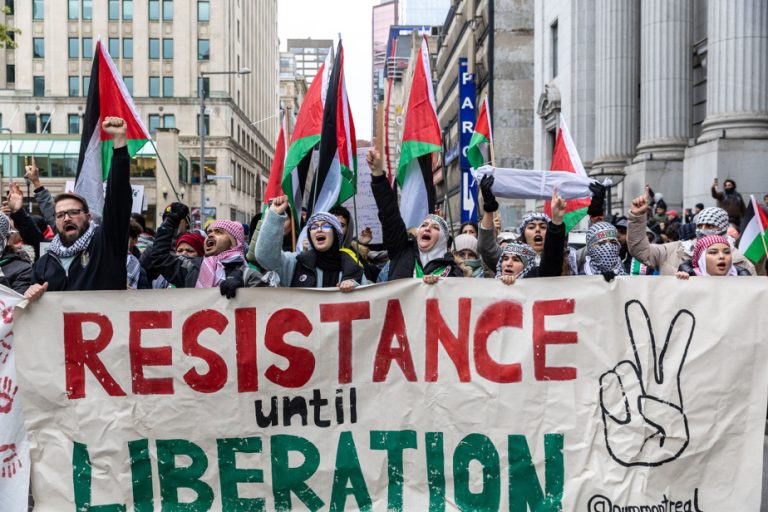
[(74, 86), (154, 48), (154, 123), (127, 47), (154, 10), (74, 48), (169, 121), (38, 47), (154, 87), (114, 9), (168, 49), (10, 8), (203, 10), (206, 87), (167, 87), (38, 86), (86, 85), (30, 122), (183, 170), (87, 9), (207, 124), (203, 49), (10, 73), (128, 81), (167, 10), (37, 9), (127, 10), (87, 47), (73, 12), (114, 47), (553, 29), (45, 123), (73, 123)]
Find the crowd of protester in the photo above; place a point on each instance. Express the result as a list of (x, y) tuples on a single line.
[(66, 249)]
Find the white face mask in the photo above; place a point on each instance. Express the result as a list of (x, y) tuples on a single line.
[(701, 233)]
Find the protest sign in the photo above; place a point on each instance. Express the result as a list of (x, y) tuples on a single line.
[(14, 449), (552, 394), (367, 212)]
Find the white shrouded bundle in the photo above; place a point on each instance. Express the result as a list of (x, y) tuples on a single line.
[(532, 184)]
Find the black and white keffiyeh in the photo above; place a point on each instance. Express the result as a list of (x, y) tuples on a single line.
[(603, 250), (532, 217), (526, 254), (5, 230), (712, 216), (79, 246)]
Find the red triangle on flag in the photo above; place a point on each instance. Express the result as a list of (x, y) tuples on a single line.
[(114, 98)]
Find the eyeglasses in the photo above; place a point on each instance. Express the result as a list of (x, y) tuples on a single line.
[(72, 212), (324, 227)]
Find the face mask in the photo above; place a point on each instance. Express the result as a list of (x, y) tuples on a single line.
[(473, 264), (701, 233)]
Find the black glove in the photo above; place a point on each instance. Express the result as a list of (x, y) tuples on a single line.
[(609, 276), (176, 212), (229, 286), (490, 204), (597, 205)]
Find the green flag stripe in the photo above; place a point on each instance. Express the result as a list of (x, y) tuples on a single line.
[(134, 146), (412, 149), (756, 249), (474, 154), (572, 218)]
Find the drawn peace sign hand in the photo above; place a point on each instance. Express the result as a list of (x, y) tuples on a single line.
[(645, 424)]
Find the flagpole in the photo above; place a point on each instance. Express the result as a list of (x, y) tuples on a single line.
[(170, 181), (445, 193)]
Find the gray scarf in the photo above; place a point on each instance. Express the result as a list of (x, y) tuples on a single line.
[(79, 246)]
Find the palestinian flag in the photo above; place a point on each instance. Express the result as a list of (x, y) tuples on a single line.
[(421, 138), (306, 134), (565, 157), (335, 179), (482, 137), (754, 232), (274, 184), (107, 97)]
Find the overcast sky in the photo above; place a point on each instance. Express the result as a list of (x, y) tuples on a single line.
[(325, 19)]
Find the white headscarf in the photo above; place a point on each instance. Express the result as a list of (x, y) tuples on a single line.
[(441, 246)]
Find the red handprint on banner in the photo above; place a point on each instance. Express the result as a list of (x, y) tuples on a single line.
[(9, 461), (5, 347), (6, 312), (7, 394)]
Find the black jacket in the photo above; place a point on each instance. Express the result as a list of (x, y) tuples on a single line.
[(305, 274), (551, 264), (15, 271), (102, 265), (402, 249), (687, 267), (180, 272)]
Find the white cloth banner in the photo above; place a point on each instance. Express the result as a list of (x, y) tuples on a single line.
[(557, 394), (532, 184), (14, 448)]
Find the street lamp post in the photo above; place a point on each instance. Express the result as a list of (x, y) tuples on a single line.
[(10, 155), (201, 130)]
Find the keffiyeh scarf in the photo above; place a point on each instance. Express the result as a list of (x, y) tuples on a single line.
[(524, 251), (79, 246)]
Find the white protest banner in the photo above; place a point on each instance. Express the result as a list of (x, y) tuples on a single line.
[(367, 212), (14, 448), (643, 394), (136, 190)]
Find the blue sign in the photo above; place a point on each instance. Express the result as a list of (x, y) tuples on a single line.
[(467, 98)]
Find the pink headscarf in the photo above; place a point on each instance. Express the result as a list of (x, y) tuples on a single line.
[(212, 270), (699, 258)]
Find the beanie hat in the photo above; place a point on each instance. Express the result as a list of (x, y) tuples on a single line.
[(195, 240), (466, 242), (330, 219), (234, 229), (661, 204)]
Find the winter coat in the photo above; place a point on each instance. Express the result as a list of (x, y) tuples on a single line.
[(297, 269), (101, 266), (666, 258), (733, 204), (15, 271), (402, 249)]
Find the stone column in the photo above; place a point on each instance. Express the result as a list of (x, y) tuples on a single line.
[(617, 53), (665, 79), (737, 70)]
